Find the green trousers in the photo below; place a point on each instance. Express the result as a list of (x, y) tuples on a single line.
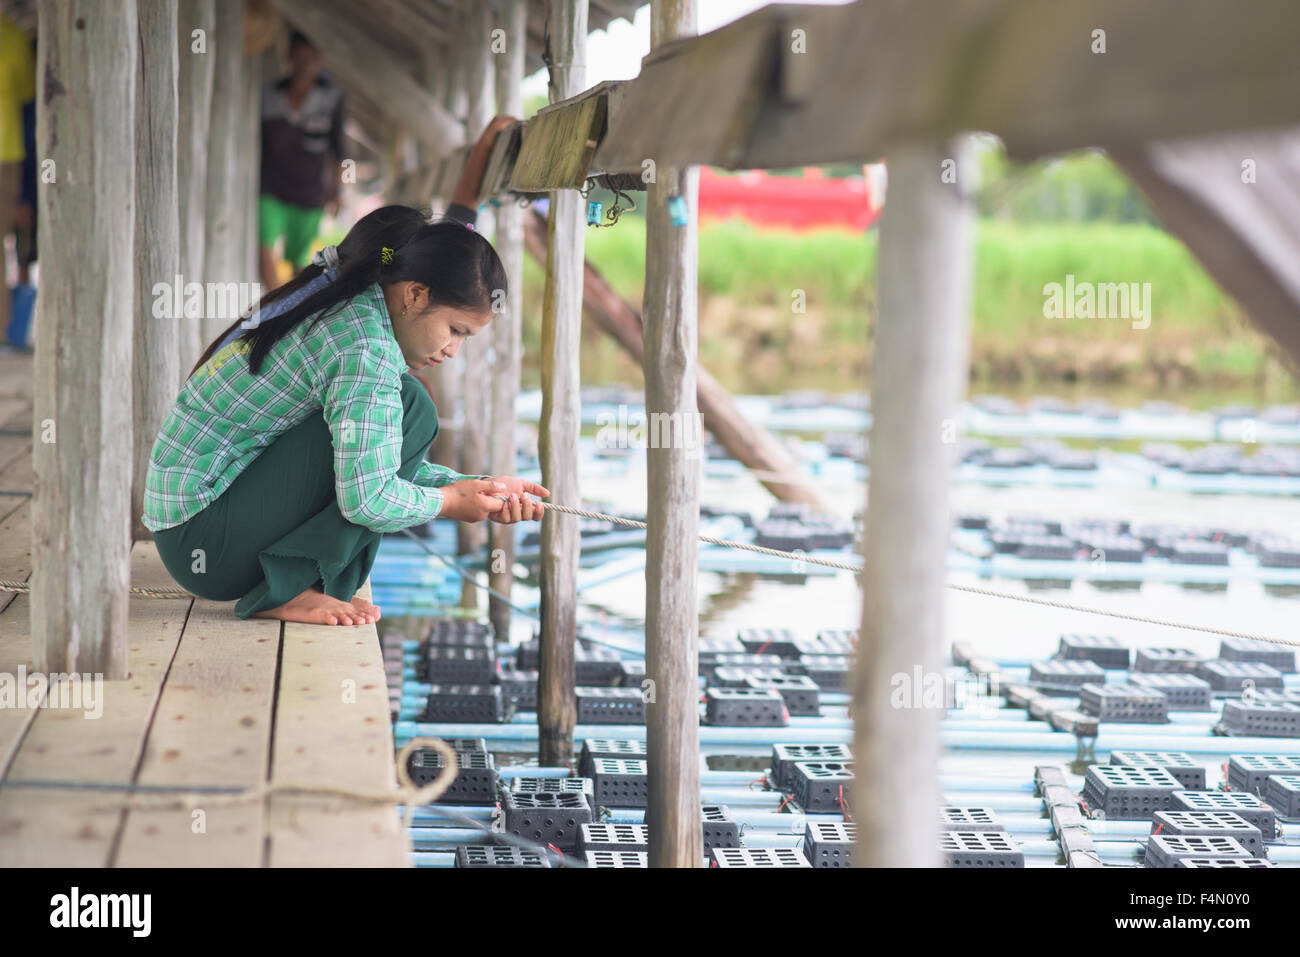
[(277, 530)]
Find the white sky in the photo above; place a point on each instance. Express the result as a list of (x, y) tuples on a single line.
[(615, 54)]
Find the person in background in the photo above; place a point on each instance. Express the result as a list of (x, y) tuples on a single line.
[(302, 154), (17, 86)]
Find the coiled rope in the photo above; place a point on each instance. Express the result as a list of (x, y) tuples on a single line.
[(146, 592)]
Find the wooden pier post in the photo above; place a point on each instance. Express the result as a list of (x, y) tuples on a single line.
[(507, 326), (157, 239), (673, 502), (480, 89), (561, 409), (81, 513), (195, 34), (222, 219), (920, 370)]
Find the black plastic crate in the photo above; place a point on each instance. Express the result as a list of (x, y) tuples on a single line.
[(499, 855), (829, 843), (745, 660), (597, 667), (968, 819), (610, 706), (800, 693), (612, 837), (1228, 862), (1260, 652), (720, 828), (519, 688), (786, 756), (608, 748), (464, 704), (1198, 553), (823, 646), (735, 676), (569, 785), (979, 849), (711, 648), (1166, 850), (528, 656), (1101, 649), (1186, 771), (1123, 793), (1249, 806), (1263, 719), (546, 818), (631, 673), (1283, 792), (828, 672), (1062, 677), (1166, 660), (745, 707), (759, 857), (471, 666), (1124, 703), (769, 641), (476, 776), (822, 787), (460, 633), (617, 859), (1183, 692), (1233, 677), (1247, 772), (619, 782), (846, 637), (1047, 548), (1210, 824)]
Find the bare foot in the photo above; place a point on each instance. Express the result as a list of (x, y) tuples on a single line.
[(314, 607), (366, 608)]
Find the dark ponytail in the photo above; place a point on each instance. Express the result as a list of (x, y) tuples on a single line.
[(459, 266)]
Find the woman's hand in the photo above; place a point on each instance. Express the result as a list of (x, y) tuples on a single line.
[(472, 500), (519, 508)]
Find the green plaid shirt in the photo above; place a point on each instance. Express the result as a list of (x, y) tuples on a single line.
[(348, 365)]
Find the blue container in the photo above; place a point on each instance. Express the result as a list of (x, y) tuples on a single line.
[(23, 304)]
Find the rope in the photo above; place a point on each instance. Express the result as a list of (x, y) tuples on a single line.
[(23, 587)]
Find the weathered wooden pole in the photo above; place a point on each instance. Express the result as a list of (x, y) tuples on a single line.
[(561, 409), (250, 167), (673, 500), (81, 513), (476, 381), (157, 240), (222, 210), (507, 325), (196, 31), (919, 375)]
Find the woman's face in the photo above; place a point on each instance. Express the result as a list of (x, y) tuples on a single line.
[(429, 335)]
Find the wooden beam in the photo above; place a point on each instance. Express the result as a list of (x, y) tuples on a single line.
[(507, 326), (920, 372), (196, 22), (81, 514), (673, 455), (893, 71), (362, 63), (754, 447), (222, 219), (157, 351), (560, 142), (561, 418), (480, 85), (1235, 202)]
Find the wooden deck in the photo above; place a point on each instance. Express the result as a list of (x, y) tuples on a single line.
[(212, 701)]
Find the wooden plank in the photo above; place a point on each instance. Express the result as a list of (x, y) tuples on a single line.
[(671, 312), (560, 142), (920, 373), (507, 327), (15, 545), (194, 86), (332, 728), (561, 419), (78, 829), (81, 518), (213, 728), (156, 364), (15, 654)]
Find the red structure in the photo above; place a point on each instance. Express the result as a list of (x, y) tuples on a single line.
[(799, 203)]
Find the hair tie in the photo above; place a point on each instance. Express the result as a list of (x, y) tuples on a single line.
[(386, 255), (327, 258)]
